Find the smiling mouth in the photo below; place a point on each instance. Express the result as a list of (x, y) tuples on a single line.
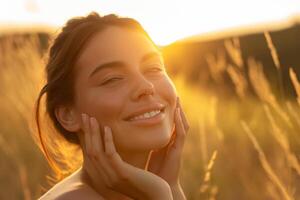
[(147, 115)]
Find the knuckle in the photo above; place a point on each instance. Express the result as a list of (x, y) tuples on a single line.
[(93, 155), (114, 182), (110, 184), (124, 177), (109, 155)]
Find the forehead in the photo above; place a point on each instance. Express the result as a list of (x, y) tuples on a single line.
[(114, 43)]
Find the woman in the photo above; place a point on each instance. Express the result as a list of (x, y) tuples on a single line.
[(108, 92)]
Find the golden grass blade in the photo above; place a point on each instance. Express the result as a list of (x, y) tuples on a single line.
[(260, 83), (238, 80), (233, 48), (293, 113), (262, 88), (217, 65), (283, 141), (207, 176), (295, 82), (272, 50), (265, 164), (11, 154), (213, 193)]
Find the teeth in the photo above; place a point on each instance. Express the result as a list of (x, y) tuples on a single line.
[(145, 115)]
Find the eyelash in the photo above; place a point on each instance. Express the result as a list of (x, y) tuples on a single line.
[(156, 69), (111, 80)]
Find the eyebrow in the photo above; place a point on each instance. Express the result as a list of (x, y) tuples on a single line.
[(117, 64)]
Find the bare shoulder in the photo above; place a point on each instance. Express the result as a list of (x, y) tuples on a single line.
[(77, 194), (71, 189)]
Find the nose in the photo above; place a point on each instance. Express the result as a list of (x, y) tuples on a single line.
[(142, 88)]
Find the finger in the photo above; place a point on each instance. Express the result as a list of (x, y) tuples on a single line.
[(93, 135), (86, 129), (180, 131), (173, 138), (98, 157), (183, 116), (92, 167), (110, 148), (112, 154), (97, 139), (94, 171), (157, 156)]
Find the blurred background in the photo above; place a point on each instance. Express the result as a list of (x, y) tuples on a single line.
[(236, 65)]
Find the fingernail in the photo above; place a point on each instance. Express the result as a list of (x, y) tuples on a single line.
[(83, 115), (107, 132), (92, 119)]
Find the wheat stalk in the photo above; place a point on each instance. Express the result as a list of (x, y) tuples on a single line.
[(272, 49), (207, 176), (262, 88), (239, 81), (276, 61), (234, 50), (265, 164), (295, 82), (283, 141), (216, 65)]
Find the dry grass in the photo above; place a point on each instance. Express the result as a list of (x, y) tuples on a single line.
[(261, 164), (265, 164)]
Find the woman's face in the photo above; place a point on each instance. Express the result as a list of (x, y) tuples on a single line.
[(121, 81)]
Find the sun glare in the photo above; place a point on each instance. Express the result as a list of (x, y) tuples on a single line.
[(166, 21)]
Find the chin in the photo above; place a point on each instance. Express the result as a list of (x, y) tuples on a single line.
[(147, 138), (160, 141)]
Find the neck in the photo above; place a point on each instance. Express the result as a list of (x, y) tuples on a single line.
[(137, 159)]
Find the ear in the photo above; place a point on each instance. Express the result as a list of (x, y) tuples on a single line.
[(68, 118)]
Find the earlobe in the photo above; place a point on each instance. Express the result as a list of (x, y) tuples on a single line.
[(67, 118)]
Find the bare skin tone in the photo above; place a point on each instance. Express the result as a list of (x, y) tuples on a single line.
[(127, 154)]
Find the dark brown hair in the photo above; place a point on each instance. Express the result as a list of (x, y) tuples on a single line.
[(60, 73)]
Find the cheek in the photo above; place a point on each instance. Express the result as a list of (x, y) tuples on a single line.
[(106, 106), (167, 90), (106, 111)]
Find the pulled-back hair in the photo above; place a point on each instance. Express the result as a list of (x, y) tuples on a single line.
[(60, 76)]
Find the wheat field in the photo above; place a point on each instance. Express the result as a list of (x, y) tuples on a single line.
[(237, 148)]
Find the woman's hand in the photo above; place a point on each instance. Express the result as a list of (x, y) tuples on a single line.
[(166, 162), (106, 169)]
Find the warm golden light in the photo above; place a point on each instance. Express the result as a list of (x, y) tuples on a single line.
[(166, 21)]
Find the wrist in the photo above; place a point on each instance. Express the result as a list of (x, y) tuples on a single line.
[(163, 192)]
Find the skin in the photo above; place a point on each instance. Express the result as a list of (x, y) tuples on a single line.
[(111, 102), (124, 160)]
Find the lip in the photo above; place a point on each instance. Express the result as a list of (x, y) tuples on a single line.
[(150, 121), (156, 106)]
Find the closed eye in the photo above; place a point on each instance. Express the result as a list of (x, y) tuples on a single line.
[(155, 68), (111, 80)]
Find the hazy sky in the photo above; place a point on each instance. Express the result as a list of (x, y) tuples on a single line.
[(165, 20)]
